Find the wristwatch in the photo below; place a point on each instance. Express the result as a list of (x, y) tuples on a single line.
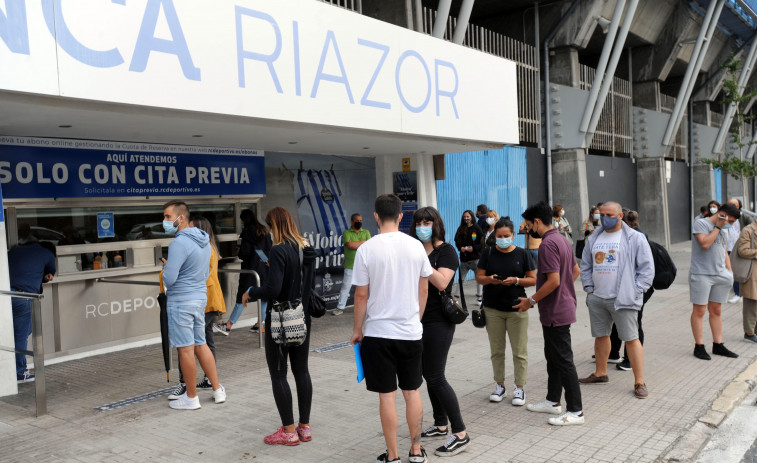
[(517, 281), (531, 301)]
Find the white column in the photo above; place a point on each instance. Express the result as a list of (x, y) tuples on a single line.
[(8, 384)]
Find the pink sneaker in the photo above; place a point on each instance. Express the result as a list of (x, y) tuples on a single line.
[(304, 433), (281, 437)]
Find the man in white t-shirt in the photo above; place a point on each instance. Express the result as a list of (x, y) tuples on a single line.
[(390, 276), (617, 268)]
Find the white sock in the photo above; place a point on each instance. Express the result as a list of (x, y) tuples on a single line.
[(552, 403)]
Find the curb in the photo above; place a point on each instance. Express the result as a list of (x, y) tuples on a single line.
[(689, 444)]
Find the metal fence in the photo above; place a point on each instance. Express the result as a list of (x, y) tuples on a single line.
[(524, 55), (614, 132), (353, 5)]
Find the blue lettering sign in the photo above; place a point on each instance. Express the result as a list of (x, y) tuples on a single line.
[(13, 28), (243, 54), (42, 172), (439, 92), (320, 75), (296, 37), (403, 56), (56, 24), (364, 100), (147, 42)]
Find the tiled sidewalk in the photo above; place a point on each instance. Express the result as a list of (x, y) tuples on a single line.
[(345, 421)]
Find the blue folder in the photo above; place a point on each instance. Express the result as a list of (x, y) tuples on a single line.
[(359, 363)]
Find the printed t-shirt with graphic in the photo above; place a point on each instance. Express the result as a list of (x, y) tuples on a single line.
[(606, 252), (352, 235), (391, 264), (505, 264), (708, 261)]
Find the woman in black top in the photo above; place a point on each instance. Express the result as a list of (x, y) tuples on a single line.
[(428, 227), (505, 270), (254, 236), (287, 281), (468, 239)]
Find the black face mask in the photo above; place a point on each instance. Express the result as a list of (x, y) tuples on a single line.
[(532, 233), (358, 225)]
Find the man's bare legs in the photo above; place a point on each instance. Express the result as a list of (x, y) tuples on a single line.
[(189, 369), (389, 422), (697, 316), (716, 322), (208, 364), (602, 346), (636, 356), (414, 415)]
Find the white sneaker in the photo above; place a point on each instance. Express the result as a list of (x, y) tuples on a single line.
[(185, 403), (219, 395), (734, 299), (519, 397), (499, 393), (337, 312), (544, 407), (567, 419)]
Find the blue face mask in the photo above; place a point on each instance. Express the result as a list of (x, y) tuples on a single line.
[(609, 222), (423, 233), (169, 227), (596, 216), (504, 243), (726, 226)]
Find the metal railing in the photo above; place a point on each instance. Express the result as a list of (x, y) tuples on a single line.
[(40, 393), (352, 5), (524, 55), (614, 132)]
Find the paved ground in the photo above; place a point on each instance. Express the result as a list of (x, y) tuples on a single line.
[(345, 419)]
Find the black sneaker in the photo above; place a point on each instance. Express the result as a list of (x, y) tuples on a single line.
[(700, 353), (25, 377), (204, 384), (418, 458), (177, 392), (453, 446), (625, 365), (384, 458), (433, 431), (255, 328), (720, 349)]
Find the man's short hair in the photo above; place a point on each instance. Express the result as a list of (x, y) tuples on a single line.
[(482, 209), (615, 204), (356, 214), (730, 210), (702, 210), (388, 207), (541, 211), (179, 207), (738, 202)]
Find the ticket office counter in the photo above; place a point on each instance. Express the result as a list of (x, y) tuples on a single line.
[(80, 311)]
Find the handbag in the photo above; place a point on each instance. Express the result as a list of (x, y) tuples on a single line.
[(453, 312), (288, 327), (478, 317), (741, 266)]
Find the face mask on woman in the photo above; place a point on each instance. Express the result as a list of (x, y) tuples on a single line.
[(504, 243), (423, 233), (562, 212), (491, 221), (596, 216), (713, 210)]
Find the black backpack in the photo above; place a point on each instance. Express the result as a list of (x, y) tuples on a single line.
[(664, 268)]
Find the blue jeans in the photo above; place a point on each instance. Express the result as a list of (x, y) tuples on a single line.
[(22, 328), (239, 308), (535, 255)]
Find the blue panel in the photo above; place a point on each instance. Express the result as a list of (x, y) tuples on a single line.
[(718, 184), (497, 178)]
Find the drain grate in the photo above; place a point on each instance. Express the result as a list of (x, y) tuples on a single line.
[(331, 347), (135, 399)]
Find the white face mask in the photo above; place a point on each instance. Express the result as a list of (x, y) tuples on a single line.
[(491, 220), (562, 212), (713, 210)]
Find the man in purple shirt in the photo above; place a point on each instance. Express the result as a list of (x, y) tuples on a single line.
[(556, 296)]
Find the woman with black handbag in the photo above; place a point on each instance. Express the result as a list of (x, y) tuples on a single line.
[(505, 270), (289, 282), (438, 331)]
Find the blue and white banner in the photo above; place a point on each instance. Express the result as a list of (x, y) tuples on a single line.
[(60, 168)]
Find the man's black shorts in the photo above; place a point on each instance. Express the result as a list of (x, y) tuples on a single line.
[(389, 361)]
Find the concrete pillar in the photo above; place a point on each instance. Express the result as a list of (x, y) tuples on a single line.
[(702, 113), (392, 11), (647, 95), (426, 180), (704, 186), (570, 186), (652, 199), (563, 66), (8, 385)]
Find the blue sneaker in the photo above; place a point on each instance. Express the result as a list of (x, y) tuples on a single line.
[(26, 377)]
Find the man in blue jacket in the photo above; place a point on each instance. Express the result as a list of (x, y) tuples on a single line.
[(29, 265), (184, 277), (617, 268)]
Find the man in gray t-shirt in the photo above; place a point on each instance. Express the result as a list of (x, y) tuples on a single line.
[(710, 277)]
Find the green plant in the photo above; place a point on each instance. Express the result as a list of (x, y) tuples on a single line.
[(734, 164)]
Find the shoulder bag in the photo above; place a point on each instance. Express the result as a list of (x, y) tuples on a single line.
[(453, 312), (742, 267), (288, 327)]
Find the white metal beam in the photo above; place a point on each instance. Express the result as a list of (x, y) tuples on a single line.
[(442, 15), (746, 72), (462, 21)]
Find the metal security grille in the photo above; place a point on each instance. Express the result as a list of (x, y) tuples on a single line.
[(524, 55), (614, 133), (354, 5), (679, 149)]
